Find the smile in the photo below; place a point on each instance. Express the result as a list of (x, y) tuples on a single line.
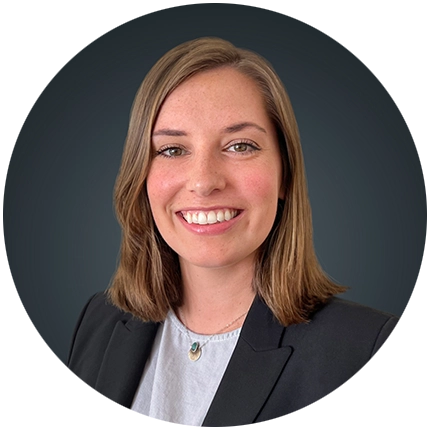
[(209, 217)]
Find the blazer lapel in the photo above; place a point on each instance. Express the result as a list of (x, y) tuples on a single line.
[(124, 360), (253, 370)]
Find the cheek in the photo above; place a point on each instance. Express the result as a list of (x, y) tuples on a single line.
[(160, 185), (262, 186), (161, 188)]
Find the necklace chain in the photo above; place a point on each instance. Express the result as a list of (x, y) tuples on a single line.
[(196, 349)]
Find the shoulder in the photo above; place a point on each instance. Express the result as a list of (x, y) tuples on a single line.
[(93, 331), (99, 315), (336, 308), (100, 305), (340, 338), (348, 328), (343, 317)]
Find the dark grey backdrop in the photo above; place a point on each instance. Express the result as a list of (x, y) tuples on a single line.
[(365, 180)]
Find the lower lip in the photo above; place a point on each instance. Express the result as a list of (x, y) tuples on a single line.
[(210, 229)]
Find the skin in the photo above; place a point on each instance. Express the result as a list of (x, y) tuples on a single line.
[(215, 147)]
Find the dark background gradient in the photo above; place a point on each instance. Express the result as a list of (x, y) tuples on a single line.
[(365, 180)]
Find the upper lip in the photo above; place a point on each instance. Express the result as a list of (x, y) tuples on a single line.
[(212, 208)]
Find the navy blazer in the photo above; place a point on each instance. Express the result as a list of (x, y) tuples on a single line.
[(274, 370)]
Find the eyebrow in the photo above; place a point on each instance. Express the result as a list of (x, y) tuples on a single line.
[(234, 128), (242, 126), (169, 132)]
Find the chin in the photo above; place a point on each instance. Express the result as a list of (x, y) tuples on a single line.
[(211, 261)]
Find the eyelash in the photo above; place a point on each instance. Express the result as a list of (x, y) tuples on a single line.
[(163, 149), (251, 146)]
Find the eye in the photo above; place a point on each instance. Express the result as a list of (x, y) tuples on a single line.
[(243, 148), (171, 152)]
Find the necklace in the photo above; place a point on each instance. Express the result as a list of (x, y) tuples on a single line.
[(195, 350)]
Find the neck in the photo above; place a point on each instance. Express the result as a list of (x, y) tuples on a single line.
[(214, 297)]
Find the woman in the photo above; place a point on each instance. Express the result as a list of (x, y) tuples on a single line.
[(219, 313)]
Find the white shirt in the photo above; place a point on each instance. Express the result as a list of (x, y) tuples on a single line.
[(174, 388)]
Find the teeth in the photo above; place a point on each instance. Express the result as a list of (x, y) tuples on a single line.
[(210, 217), (202, 219)]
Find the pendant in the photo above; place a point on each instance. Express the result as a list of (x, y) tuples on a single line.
[(195, 352)]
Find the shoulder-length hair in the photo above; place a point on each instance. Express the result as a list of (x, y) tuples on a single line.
[(147, 283)]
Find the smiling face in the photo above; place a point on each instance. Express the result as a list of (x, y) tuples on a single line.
[(215, 179)]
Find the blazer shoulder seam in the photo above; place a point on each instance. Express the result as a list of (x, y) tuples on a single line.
[(375, 343), (78, 326)]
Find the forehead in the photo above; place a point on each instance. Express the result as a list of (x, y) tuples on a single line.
[(214, 97)]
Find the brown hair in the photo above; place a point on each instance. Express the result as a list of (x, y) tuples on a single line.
[(147, 282)]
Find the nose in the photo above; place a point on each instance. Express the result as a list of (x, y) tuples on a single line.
[(205, 175)]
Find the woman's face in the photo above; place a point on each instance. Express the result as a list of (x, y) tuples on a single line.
[(215, 179)]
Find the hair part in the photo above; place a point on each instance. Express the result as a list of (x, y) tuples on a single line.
[(147, 282)]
